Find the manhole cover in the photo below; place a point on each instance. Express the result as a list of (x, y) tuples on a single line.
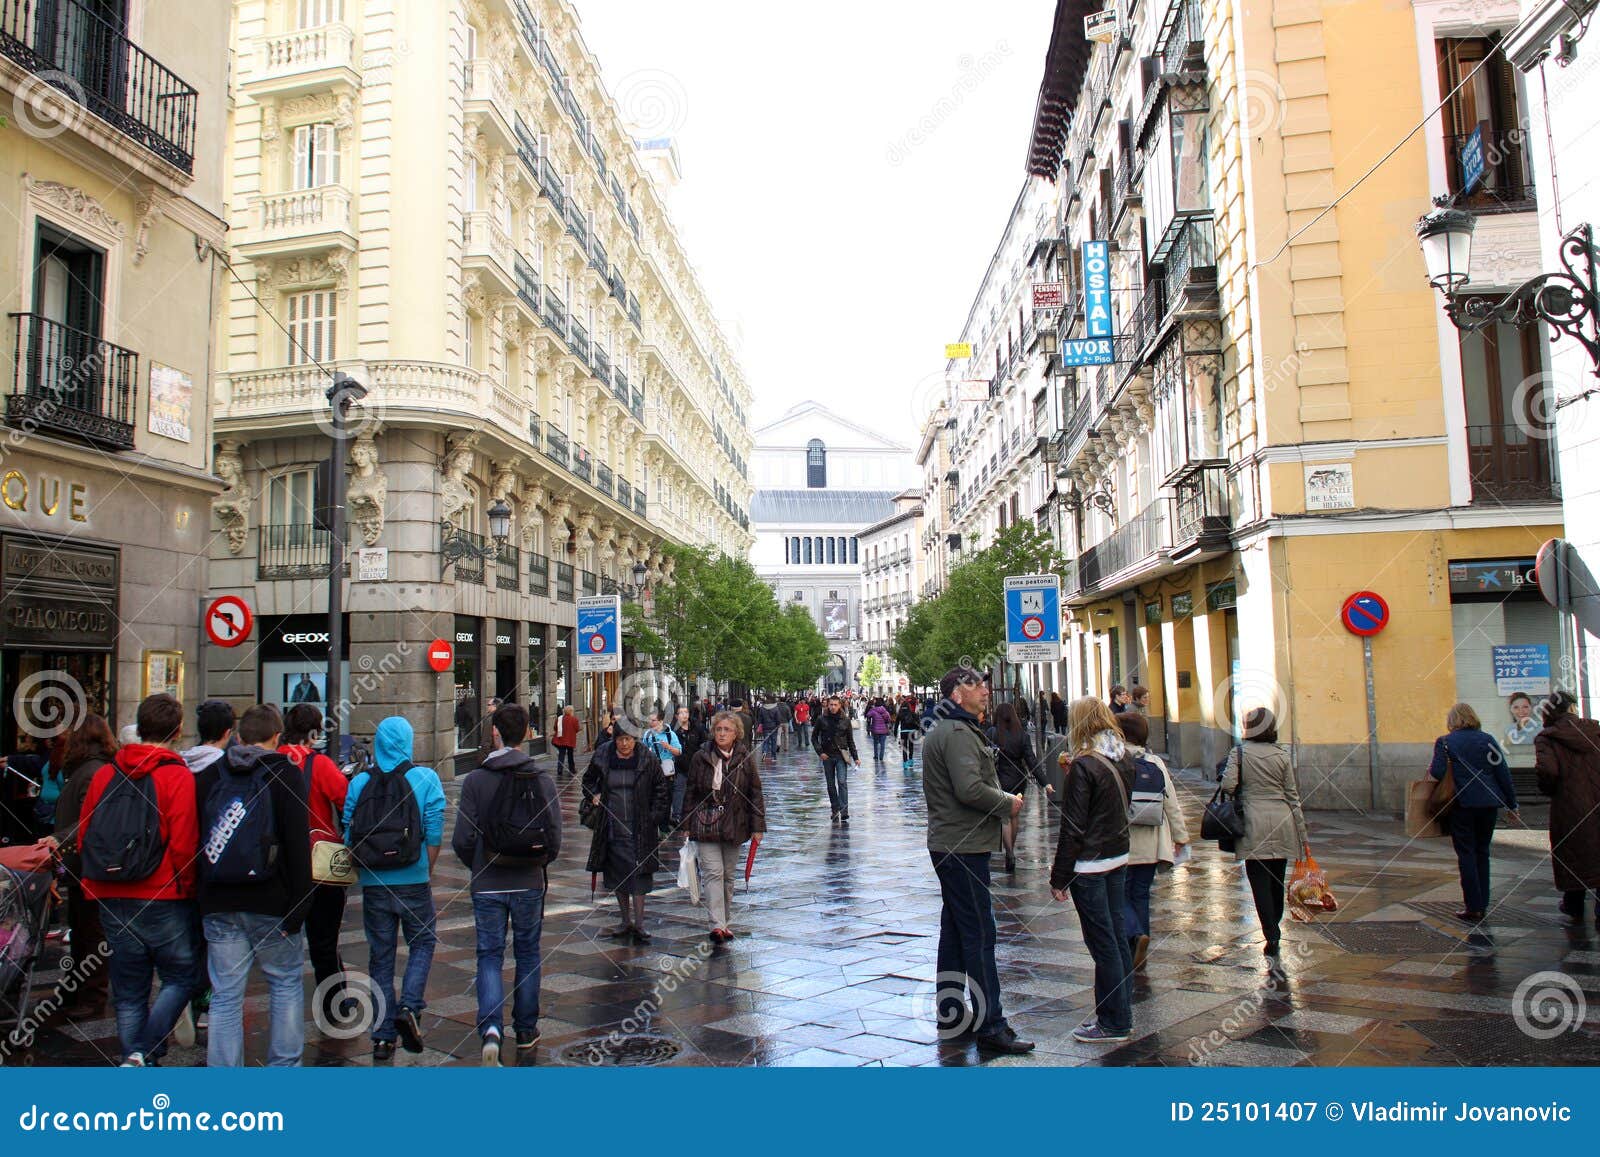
[(1504, 916), (1389, 938), (628, 1051), (1492, 1040)]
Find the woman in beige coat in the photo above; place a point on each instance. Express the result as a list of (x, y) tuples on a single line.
[(1150, 846), (1275, 829)]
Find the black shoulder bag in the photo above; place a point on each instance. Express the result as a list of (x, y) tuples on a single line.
[(1223, 820)]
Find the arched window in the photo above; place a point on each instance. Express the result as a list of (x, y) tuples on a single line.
[(794, 549), (833, 556), (816, 464), (818, 541), (854, 550), (808, 550)]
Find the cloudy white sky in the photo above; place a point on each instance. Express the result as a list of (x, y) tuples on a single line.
[(848, 169)]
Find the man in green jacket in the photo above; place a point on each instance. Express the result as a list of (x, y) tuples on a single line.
[(965, 809)]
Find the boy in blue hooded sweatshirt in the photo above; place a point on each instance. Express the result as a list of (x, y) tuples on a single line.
[(399, 899)]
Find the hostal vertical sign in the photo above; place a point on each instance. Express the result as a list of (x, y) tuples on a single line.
[(1094, 349)]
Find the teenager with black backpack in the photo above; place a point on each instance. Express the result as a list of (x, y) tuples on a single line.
[(394, 825), (508, 831), (255, 888), (137, 836)]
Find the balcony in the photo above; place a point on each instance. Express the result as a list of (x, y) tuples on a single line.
[(603, 479), (300, 221), (636, 405), (638, 501), (590, 582), (1506, 185), (536, 431), (555, 446), (625, 493), (487, 247), (550, 186), (1181, 44), (491, 102), (1202, 521), (70, 46), (1188, 254), (1138, 539), (527, 282), (471, 568), (507, 567), (1508, 464), (70, 383), (578, 342), (633, 305), (538, 574), (581, 464), (555, 312), (296, 551), (303, 60), (602, 364), (564, 591)]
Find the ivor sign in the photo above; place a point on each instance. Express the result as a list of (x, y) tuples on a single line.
[(1095, 348)]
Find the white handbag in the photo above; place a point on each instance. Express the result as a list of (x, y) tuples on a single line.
[(689, 871)]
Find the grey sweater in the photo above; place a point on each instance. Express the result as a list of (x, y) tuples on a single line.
[(965, 803), (477, 797)]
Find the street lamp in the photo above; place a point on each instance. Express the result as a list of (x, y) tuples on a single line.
[(455, 545), (1565, 301)]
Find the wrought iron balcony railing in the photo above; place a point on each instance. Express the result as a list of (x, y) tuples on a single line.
[(71, 46), (538, 574), (1508, 463), (564, 591), (292, 551), (70, 382), (507, 567), (590, 582), (1142, 536), (1202, 519), (603, 479), (555, 446)]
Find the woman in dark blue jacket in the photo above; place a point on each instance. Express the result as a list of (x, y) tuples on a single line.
[(1477, 766)]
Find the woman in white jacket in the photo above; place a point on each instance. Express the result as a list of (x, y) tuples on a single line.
[(1150, 846)]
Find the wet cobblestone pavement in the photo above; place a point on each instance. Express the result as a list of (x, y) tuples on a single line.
[(838, 927)]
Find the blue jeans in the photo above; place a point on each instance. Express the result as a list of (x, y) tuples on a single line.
[(1099, 899), (1136, 908), (769, 743), (879, 742), (838, 790), (680, 782), (966, 943), (1472, 831), (525, 912), (149, 938), (386, 912), (235, 940)]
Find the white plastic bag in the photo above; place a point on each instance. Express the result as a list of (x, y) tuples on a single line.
[(689, 871)]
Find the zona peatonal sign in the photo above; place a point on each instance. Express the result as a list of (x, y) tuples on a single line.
[(1033, 618), (600, 633)]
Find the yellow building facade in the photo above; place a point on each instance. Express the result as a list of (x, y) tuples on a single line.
[(1289, 419)]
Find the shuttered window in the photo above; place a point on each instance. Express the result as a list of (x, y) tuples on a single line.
[(312, 323)]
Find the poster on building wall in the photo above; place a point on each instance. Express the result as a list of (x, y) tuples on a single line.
[(1523, 667), (171, 402), (1330, 486), (836, 618)]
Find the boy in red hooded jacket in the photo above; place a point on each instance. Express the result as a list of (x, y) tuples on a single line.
[(149, 923)]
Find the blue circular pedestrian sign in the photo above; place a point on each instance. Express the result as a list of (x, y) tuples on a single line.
[(1364, 613)]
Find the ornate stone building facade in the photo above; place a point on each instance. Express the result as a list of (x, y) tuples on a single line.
[(442, 201)]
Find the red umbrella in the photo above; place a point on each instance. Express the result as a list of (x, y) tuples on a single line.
[(750, 860)]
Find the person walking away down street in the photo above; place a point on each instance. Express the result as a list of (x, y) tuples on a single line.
[(1091, 863), (507, 833), (89, 747), (767, 715), (137, 838), (1567, 763), (835, 744), (255, 887), (879, 723), (1015, 765), (626, 800), (1260, 773), (802, 723), (1058, 713), (565, 739), (326, 789), (965, 809), (1476, 763), (214, 727), (908, 722), (691, 728), (724, 809), (394, 825), (1156, 830), (667, 746)]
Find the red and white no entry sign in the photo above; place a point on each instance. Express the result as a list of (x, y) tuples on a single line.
[(228, 621), (441, 655), (597, 642), (1033, 626)]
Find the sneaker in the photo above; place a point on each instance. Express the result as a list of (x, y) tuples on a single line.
[(202, 1021), (405, 1023), (132, 1061), (383, 1050), (844, 821), (1005, 1041), (183, 1031), (491, 1050), (527, 1038), (1094, 1035)]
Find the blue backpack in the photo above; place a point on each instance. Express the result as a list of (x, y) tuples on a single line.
[(1146, 805), (240, 829)]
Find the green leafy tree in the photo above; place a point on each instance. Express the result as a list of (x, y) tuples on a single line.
[(910, 646), (871, 671)]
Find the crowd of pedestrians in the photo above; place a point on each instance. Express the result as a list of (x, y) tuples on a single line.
[(202, 867)]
